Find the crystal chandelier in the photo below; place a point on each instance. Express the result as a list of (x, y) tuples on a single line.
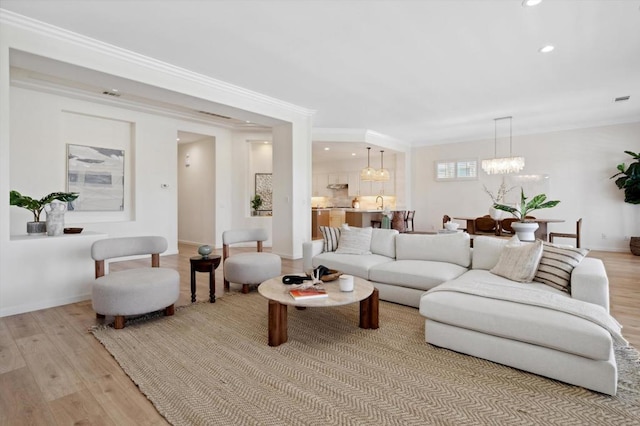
[(504, 165), (382, 174), (368, 173)]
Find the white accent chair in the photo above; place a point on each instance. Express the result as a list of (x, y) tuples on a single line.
[(133, 291), (248, 268)]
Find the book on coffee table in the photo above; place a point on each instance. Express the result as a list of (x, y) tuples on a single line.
[(308, 293)]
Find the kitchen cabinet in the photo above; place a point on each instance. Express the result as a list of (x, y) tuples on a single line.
[(319, 217), (319, 185), (334, 178), (354, 184)]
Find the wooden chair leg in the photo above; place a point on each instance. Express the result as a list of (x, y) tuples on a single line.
[(245, 288), (226, 285), (100, 316), (119, 322), (169, 310)]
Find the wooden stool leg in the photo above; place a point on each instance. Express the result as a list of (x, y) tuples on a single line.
[(245, 288), (277, 323), (169, 310), (100, 316), (226, 285), (119, 322)]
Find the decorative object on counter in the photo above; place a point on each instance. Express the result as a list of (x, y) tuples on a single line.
[(256, 203), (368, 173), (36, 207), (55, 217), (525, 230), (629, 180), (497, 199), (355, 203), (205, 251), (386, 218), (382, 174), (504, 165), (72, 230), (397, 220)]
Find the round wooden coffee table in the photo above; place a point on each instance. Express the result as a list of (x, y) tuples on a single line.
[(279, 298)]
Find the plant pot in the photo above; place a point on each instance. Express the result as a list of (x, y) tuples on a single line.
[(525, 230), (634, 245), (36, 228)]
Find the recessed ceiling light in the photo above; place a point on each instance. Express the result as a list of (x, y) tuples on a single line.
[(114, 90), (353, 153), (247, 121), (529, 3), (178, 139), (546, 49), (326, 148)]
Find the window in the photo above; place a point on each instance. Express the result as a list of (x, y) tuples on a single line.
[(456, 170)]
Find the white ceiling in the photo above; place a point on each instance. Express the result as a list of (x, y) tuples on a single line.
[(424, 72)]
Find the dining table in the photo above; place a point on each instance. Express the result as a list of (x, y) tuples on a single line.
[(541, 233)]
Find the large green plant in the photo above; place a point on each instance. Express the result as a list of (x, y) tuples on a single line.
[(629, 179), (36, 206), (538, 202)]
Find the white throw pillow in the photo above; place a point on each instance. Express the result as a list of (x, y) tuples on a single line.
[(556, 265), (355, 241), (331, 237), (519, 261)]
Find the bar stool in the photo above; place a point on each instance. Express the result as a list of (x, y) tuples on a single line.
[(408, 218)]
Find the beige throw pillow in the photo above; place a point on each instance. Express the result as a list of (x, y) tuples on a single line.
[(556, 265), (354, 241), (519, 261)]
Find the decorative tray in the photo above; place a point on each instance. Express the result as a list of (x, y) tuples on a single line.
[(72, 230), (331, 276)]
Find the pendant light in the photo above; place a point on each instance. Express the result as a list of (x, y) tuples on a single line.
[(504, 165), (382, 174), (368, 173)]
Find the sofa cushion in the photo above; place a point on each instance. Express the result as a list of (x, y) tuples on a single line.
[(351, 264), (486, 251), (519, 261), (354, 240), (330, 236), (418, 274), (383, 242), (531, 324), (451, 248)]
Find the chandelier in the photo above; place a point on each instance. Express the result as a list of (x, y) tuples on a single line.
[(504, 165), (368, 173), (382, 174)]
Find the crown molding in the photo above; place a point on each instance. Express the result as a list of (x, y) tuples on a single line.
[(51, 31)]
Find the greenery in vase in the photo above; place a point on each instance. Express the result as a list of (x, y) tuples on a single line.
[(256, 202), (499, 196), (36, 206), (538, 202), (629, 179)]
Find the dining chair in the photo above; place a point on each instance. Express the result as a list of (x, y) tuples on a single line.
[(408, 220), (553, 235), (485, 224)]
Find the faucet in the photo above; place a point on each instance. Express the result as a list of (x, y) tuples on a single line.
[(381, 206)]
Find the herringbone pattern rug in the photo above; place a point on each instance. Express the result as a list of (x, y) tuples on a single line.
[(209, 364)]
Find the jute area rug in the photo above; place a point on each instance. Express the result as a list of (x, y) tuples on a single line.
[(210, 364)]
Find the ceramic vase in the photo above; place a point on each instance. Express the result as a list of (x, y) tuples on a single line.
[(525, 230), (55, 217)]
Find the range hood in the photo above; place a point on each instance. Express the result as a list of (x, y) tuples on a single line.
[(338, 186)]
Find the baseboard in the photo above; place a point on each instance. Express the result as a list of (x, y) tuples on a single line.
[(45, 304)]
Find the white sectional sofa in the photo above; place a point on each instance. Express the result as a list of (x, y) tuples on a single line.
[(465, 311)]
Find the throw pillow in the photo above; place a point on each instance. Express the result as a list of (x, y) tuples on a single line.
[(519, 262), (331, 237), (556, 265), (355, 241)]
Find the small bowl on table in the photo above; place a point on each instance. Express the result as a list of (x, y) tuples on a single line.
[(72, 230), (451, 226)]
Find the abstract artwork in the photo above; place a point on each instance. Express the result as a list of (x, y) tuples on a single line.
[(264, 188), (97, 174)]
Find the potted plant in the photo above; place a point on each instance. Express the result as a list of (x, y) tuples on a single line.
[(36, 207), (497, 199), (256, 203), (525, 229), (628, 178)]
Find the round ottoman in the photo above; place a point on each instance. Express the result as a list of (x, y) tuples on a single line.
[(251, 268), (135, 291)]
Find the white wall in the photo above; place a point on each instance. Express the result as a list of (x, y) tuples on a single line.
[(579, 164), (197, 192)]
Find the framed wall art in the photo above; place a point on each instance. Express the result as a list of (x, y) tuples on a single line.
[(97, 174)]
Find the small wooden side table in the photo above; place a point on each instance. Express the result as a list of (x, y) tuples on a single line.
[(205, 264)]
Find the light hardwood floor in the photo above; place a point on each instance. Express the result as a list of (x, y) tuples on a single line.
[(54, 372)]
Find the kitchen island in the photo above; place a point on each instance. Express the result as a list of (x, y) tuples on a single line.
[(362, 218)]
